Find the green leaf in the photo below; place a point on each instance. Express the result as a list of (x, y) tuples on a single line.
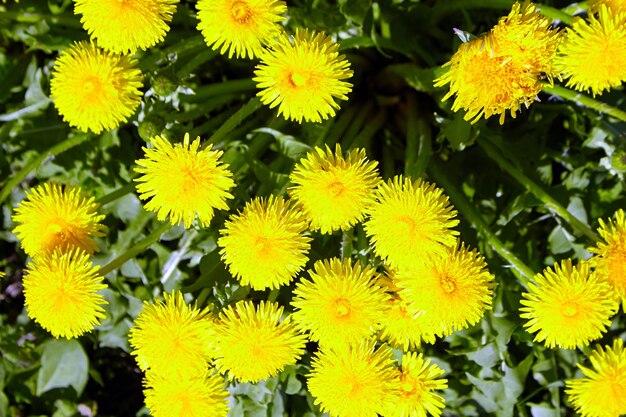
[(63, 364)]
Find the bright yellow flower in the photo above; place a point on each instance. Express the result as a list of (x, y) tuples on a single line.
[(304, 77), (254, 344), (593, 53), (410, 222), (334, 190), (341, 304), (356, 381), (123, 26), (265, 245), (602, 393), (186, 395), (172, 337), (183, 181), (568, 306), (53, 217), (93, 89), (610, 262), (615, 6), (61, 293), (240, 27)]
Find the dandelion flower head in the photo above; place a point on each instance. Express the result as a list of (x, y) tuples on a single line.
[(615, 6), (61, 293), (94, 89), (183, 181), (303, 77), (334, 190)]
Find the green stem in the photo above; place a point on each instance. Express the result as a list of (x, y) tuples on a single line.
[(584, 100), (418, 141), (115, 194), (555, 14), (53, 151), (346, 244), (491, 149), (369, 130), (466, 208), (233, 121), (220, 89)]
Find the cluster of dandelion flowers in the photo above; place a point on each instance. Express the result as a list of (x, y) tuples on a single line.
[(94, 89), (593, 54), (304, 77), (52, 216), (341, 304), (185, 395), (356, 381), (61, 293), (183, 181), (410, 221), (616, 6), (568, 306), (253, 343), (171, 337), (602, 391), (334, 190), (265, 245), (123, 26), (240, 27)]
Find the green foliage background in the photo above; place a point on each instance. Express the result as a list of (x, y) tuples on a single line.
[(572, 154)]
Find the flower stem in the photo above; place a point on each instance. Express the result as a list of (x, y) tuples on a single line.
[(233, 121), (584, 100), (418, 140), (115, 194), (555, 14), (346, 244)]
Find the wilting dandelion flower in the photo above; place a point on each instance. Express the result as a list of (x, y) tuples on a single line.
[(93, 89), (410, 221), (304, 77), (52, 216), (172, 337), (615, 6), (183, 181), (341, 304), (334, 190), (186, 395), (254, 344), (240, 27), (265, 245), (568, 306), (602, 392), (61, 293)]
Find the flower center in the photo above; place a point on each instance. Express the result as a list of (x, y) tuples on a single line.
[(298, 79), (262, 244), (240, 12), (342, 307), (409, 222), (569, 310), (447, 284), (336, 188), (411, 387)]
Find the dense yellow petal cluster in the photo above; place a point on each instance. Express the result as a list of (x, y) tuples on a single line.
[(616, 6)]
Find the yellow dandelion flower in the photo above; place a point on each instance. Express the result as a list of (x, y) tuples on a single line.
[(615, 6), (303, 78), (265, 246), (240, 27), (568, 306), (610, 262), (602, 393), (254, 344), (357, 381), (404, 330), (93, 89), (172, 337), (52, 216), (593, 54), (123, 26), (417, 381), (186, 395), (410, 221), (183, 181), (61, 293), (333, 190), (340, 304), (452, 291)]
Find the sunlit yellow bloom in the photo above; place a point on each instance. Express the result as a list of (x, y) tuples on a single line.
[(593, 53), (186, 395), (240, 27), (172, 337), (615, 6), (610, 262), (93, 89), (183, 181), (53, 217), (357, 381), (303, 77), (341, 303), (411, 221), (61, 293), (254, 344), (602, 392), (568, 306)]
